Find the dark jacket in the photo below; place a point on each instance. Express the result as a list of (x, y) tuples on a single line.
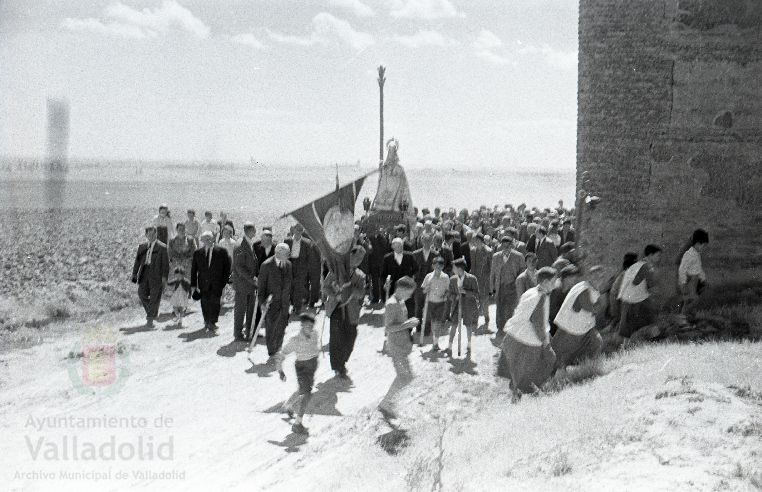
[(245, 268), (546, 252), (158, 270), (379, 248), (210, 277), (259, 250), (408, 267), (276, 282), (424, 266), (470, 298), (301, 266)]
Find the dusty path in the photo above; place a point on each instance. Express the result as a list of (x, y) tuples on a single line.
[(221, 412)]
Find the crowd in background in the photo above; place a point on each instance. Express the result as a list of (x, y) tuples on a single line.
[(455, 264)]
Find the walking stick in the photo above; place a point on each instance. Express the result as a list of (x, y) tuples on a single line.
[(256, 306), (423, 321), (259, 326), (460, 319), (387, 286)]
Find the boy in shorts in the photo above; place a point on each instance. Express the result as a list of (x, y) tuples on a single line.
[(306, 346)]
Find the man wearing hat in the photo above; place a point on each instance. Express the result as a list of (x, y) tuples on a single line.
[(343, 303), (245, 271), (264, 247), (210, 272), (507, 265), (151, 272), (481, 267), (275, 280)]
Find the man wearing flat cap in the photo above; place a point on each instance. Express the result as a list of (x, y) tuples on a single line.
[(343, 303), (210, 272), (507, 265), (245, 271), (481, 267), (151, 271)]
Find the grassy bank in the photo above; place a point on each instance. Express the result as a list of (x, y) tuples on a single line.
[(655, 417)]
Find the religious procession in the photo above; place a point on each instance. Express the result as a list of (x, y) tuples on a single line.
[(434, 273)]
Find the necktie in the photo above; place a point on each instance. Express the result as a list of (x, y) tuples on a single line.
[(148, 254), (209, 256)]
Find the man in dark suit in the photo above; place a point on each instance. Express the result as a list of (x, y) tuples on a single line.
[(540, 245), (264, 248), (398, 264), (567, 234), (315, 274), (274, 281), (245, 271), (379, 248), (210, 272), (151, 271), (400, 231), (301, 248), (424, 258)]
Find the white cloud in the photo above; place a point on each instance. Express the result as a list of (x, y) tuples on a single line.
[(486, 44), (128, 22), (423, 9), (355, 6), (494, 58), (97, 26), (327, 29), (487, 40), (425, 38), (248, 39)]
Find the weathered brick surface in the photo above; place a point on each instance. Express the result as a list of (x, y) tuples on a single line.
[(669, 131)]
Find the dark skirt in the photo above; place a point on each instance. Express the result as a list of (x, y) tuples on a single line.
[(635, 316), (305, 375), (526, 365), (571, 349)]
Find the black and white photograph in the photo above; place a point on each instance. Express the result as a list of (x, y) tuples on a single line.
[(381, 245)]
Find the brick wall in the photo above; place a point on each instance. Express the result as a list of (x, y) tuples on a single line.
[(669, 131)]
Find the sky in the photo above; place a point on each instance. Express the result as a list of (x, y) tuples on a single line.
[(470, 83)]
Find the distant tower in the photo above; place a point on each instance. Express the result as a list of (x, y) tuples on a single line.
[(58, 134)]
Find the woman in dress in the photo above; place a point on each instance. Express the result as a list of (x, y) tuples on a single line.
[(180, 250), (163, 223)]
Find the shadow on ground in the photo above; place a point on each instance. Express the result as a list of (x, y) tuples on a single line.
[(195, 335), (232, 348), (463, 366), (291, 442), (324, 399)]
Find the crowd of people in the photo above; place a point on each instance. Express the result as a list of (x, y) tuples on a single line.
[(435, 277)]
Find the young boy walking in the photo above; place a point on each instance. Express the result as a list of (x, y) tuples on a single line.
[(398, 328), (306, 346), (464, 301)]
